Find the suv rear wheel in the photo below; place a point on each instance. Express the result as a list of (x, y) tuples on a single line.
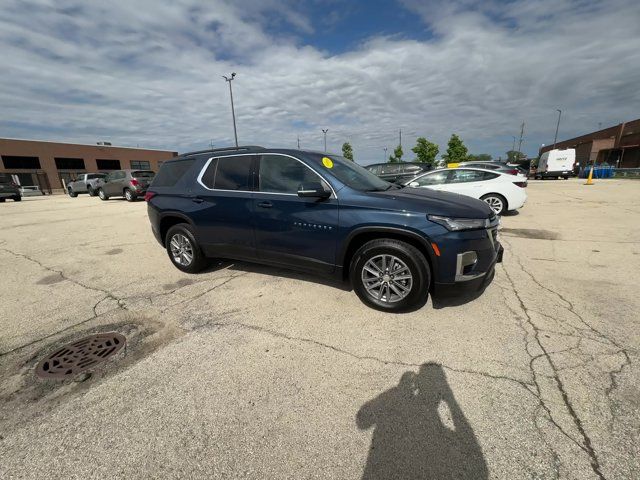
[(390, 275), (183, 249), (129, 195)]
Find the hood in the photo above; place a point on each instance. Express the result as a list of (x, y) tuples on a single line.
[(440, 203)]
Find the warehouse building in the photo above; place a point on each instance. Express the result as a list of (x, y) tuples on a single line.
[(618, 146), (49, 165)]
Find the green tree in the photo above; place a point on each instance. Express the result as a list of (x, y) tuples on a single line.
[(426, 151), (514, 155), (397, 155), (482, 157), (347, 151), (456, 150)]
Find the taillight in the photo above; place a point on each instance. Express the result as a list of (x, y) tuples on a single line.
[(149, 195), (520, 184), (135, 182), (513, 172)]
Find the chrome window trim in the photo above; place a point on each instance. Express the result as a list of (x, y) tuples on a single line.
[(206, 165)]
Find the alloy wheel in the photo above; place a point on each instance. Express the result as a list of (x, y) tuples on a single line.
[(181, 250), (495, 203), (387, 278)]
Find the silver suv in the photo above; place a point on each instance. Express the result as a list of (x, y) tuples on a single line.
[(129, 184)]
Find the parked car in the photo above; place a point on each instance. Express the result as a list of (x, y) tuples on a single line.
[(9, 188), (31, 191), (130, 184), (494, 166), (323, 214), (86, 183), (501, 191), (397, 172), (556, 163)]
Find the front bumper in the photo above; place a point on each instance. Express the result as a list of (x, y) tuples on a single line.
[(471, 282), (10, 194)]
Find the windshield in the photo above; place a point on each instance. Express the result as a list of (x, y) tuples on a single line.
[(143, 174), (353, 175)]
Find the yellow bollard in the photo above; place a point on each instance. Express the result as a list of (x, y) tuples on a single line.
[(590, 178)]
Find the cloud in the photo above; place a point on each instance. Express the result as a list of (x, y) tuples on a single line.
[(149, 73)]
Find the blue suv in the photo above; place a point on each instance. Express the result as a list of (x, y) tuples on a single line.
[(324, 214)]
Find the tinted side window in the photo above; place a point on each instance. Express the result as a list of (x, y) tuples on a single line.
[(171, 172), (229, 173), (279, 174), (437, 178), (391, 168), (463, 176), (489, 175)]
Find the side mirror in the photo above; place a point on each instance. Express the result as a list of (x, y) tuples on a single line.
[(414, 184), (313, 190)]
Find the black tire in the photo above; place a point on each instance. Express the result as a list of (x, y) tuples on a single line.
[(91, 192), (492, 199), (406, 253), (71, 193), (198, 261), (129, 195), (102, 195), (566, 178), (2, 200), (17, 198)]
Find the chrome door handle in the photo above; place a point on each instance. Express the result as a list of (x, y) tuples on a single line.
[(265, 204)]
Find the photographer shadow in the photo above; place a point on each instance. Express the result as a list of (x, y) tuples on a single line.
[(420, 431)]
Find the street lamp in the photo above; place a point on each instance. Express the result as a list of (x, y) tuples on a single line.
[(233, 112), (555, 139), (385, 154), (324, 131)]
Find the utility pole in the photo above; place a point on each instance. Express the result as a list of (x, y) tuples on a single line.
[(233, 112), (520, 142), (211, 143), (298, 142), (400, 142), (555, 139), (513, 148), (385, 154), (324, 131)]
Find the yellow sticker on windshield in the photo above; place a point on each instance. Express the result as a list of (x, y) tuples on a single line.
[(327, 162)]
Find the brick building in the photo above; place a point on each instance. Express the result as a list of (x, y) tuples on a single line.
[(49, 164), (618, 146)]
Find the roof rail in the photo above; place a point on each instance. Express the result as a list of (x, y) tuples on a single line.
[(240, 148)]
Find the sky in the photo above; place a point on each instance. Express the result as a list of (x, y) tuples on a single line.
[(149, 73)]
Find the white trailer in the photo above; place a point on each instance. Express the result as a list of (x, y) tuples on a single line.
[(556, 163)]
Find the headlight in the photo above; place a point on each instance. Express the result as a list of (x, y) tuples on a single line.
[(456, 224)]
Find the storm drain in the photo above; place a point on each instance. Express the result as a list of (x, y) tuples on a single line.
[(80, 355)]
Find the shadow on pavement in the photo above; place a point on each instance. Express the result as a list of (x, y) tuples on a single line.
[(420, 431)]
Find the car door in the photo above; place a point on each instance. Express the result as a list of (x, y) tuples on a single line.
[(292, 230), (222, 207), (433, 180), (115, 180), (465, 182)]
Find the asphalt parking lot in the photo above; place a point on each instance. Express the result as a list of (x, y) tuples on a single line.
[(252, 372)]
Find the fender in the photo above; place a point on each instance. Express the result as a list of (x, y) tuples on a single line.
[(422, 239)]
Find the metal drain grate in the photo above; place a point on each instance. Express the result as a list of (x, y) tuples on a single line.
[(77, 356)]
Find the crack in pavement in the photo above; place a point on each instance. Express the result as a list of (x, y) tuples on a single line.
[(586, 446), (525, 385)]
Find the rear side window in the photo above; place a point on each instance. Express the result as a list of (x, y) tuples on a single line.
[(437, 178), (229, 173), (489, 175), (464, 176), (171, 172)]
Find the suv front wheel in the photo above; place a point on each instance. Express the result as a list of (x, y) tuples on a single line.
[(183, 249), (390, 275)]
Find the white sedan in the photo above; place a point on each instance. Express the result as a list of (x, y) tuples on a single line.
[(503, 192)]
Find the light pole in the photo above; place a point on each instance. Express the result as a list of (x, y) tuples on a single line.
[(233, 112), (324, 131), (555, 139), (385, 154)]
